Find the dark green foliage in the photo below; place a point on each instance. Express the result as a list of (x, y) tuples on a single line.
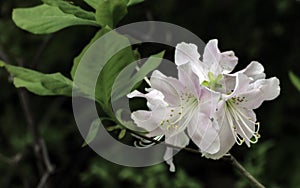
[(295, 80), (69, 8), (109, 13)]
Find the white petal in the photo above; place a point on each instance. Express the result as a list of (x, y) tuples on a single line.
[(185, 53), (269, 87), (188, 54), (228, 61), (219, 63), (211, 53), (156, 132), (135, 93), (179, 140), (203, 134), (149, 120), (228, 83), (264, 89), (254, 70), (155, 99), (168, 86), (241, 85), (225, 135), (189, 79), (208, 101), (168, 157), (146, 120)]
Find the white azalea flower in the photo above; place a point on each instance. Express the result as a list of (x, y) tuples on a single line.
[(207, 102), (241, 92), (214, 62), (177, 105), (235, 115)]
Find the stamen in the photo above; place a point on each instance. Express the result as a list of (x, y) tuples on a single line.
[(237, 138), (241, 115), (234, 115), (187, 106), (238, 118)]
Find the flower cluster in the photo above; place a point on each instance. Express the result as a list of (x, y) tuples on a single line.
[(207, 103)]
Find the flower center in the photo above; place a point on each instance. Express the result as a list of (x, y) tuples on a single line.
[(242, 126), (179, 116), (213, 82)]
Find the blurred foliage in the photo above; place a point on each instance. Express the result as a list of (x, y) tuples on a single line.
[(255, 163), (295, 80), (155, 176), (266, 31)]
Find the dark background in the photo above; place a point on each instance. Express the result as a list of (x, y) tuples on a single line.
[(267, 31)]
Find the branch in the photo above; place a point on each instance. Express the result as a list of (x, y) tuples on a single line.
[(11, 160), (40, 51), (228, 158), (49, 167), (40, 149), (39, 146), (232, 160)]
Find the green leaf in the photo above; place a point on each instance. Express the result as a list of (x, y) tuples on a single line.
[(95, 3), (93, 131), (99, 34), (69, 8), (122, 134), (92, 3), (295, 80), (45, 19), (109, 73), (112, 128), (122, 88), (152, 63), (133, 2), (39, 83), (109, 56), (110, 12)]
